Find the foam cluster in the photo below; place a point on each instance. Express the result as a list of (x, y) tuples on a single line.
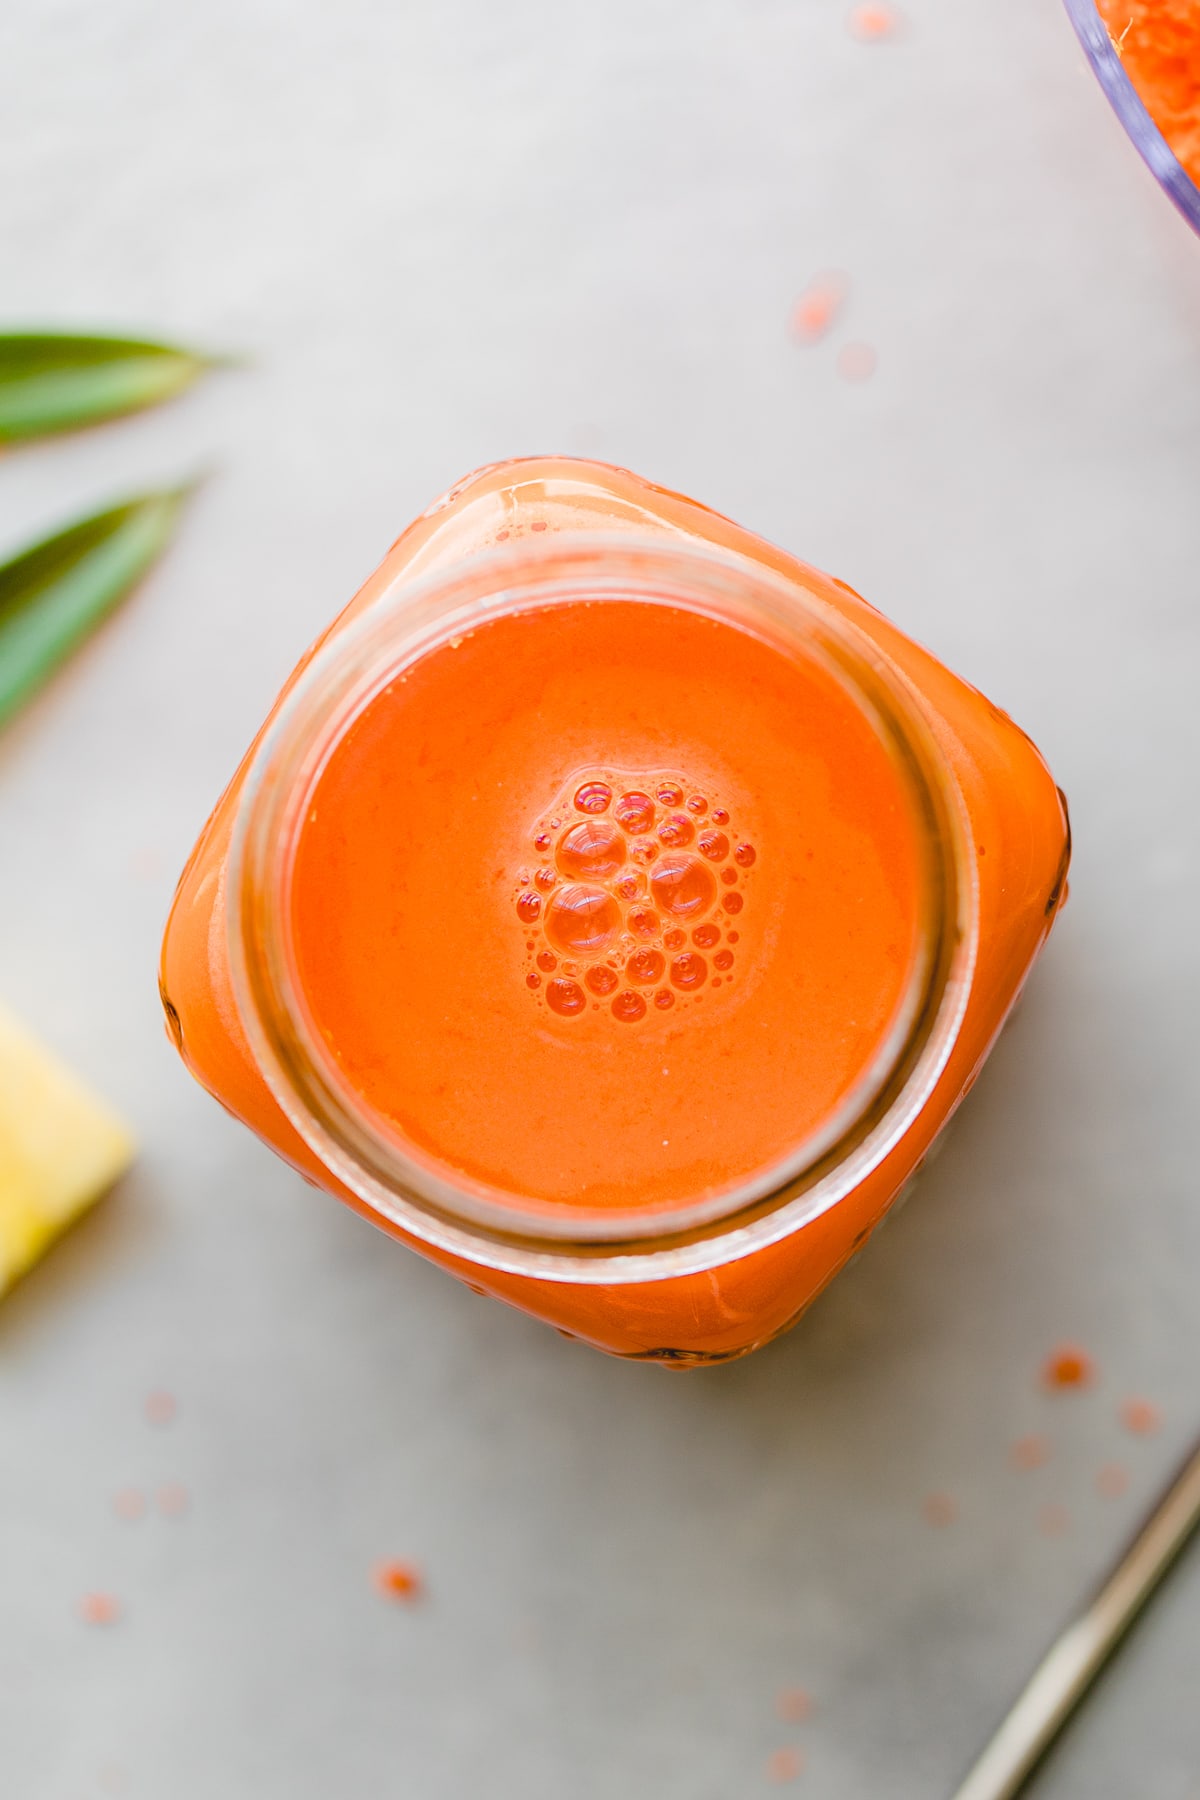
[(634, 900)]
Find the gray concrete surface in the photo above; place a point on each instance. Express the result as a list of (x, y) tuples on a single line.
[(454, 232)]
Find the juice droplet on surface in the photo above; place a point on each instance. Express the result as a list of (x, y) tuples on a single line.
[(1112, 1481), (1030, 1451), (745, 854), (582, 921), (542, 841), (593, 797), (645, 967), (674, 939), (635, 811), (731, 937), (664, 999), (669, 794), (697, 804), (547, 960), (533, 979), (729, 876), (643, 921), (723, 959), (714, 845), (1069, 1366), (99, 1609), (720, 816), (688, 971), (676, 831), (591, 850), (545, 879), (1141, 1417), (939, 1509), (682, 886), (601, 979), (529, 907), (628, 1007), (397, 1580), (565, 997), (705, 936), (732, 903)]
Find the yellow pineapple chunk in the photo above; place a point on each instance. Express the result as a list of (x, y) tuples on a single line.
[(60, 1149)]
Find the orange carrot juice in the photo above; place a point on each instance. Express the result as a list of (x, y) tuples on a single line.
[(614, 909)]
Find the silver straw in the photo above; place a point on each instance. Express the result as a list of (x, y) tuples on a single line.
[(1064, 1675)]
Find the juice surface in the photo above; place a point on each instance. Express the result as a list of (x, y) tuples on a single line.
[(607, 903), (1159, 43)]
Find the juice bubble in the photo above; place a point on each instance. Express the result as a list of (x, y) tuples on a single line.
[(714, 845), (533, 979), (547, 960), (720, 816), (631, 885), (635, 811), (529, 907), (688, 970), (697, 804), (601, 979), (593, 797), (664, 999), (565, 997), (545, 879), (682, 886), (723, 959), (669, 794), (732, 903), (729, 876), (645, 852), (645, 967), (676, 831), (643, 921), (731, 937), (628, 1007), (582, 921), (542, 841), (745, 854), (591, 850), (705, 936), (674, 939)]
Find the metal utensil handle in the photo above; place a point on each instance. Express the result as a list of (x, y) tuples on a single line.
[(1064, 1675)]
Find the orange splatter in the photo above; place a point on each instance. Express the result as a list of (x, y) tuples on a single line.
[(398, 1580), (130, 1503), (99, 1609), (1141, 1417), (1053, 1520), (785, 1765), (939, 1509), (160, 1407), (173, 1499), (1112, 1481), (1068, 1366), (857, 362), (869, 23), (818, 306), (793, 1704), (1030, 1452)]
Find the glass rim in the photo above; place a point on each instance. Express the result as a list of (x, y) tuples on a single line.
[(417, 1192), (1132, 111)]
